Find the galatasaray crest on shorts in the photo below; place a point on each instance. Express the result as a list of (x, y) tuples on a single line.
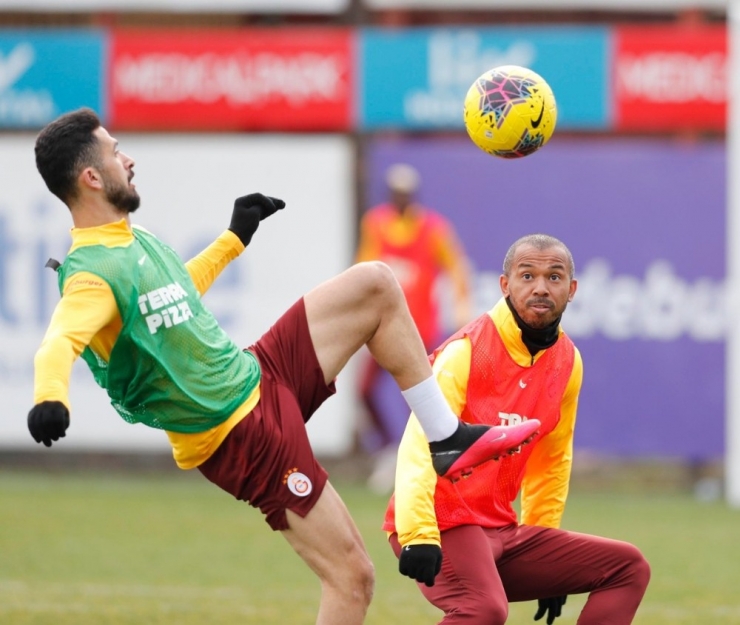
[(298, 483)]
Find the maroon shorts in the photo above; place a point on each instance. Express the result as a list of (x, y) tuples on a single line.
[(266, 459)]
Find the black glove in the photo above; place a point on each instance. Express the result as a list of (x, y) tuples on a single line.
[(551, 607), (421, 562), (48, 421), (249, 210)]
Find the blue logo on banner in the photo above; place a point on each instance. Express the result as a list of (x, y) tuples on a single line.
[(418, 78), (46, 73)]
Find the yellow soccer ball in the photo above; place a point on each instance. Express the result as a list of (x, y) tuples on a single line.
[(510, 111)]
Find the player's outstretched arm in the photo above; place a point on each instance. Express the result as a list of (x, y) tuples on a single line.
[(208, 264), (87, 306)]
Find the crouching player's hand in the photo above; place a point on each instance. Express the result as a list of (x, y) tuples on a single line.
[(552, 608), (420, 562), (249, 210), (48, 421)]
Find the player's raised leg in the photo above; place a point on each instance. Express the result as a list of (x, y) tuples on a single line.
[(365, 306), (330, 543)]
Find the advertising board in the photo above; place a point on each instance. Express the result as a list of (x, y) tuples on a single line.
[(249, 79), (188, 184)]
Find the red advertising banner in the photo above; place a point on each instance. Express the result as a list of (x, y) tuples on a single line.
[(252, 79), (670, 78)]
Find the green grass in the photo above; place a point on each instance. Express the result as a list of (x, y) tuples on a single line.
[(89, 549)]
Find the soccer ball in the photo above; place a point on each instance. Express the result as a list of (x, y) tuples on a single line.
[(510, 111)]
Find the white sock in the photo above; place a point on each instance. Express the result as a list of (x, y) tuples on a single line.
[(431, 408)]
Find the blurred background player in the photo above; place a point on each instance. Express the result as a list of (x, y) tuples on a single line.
[(462, 541), (420, 246)]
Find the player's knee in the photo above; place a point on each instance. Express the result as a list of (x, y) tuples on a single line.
[(497, 614), (486, 610), (362, 582), (640, 569), (501, 615), (356, 579), (636, 568), (366, 581), (380, 284)]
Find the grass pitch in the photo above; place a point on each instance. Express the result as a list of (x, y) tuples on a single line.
[(92, 549)]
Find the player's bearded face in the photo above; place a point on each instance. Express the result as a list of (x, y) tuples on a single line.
[(539, 285), (116, 171), (121, 194)]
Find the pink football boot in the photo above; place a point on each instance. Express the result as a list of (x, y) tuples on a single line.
[(472, 445)]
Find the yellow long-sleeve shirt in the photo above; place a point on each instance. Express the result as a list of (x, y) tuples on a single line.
[(547, 474), (87, 315)]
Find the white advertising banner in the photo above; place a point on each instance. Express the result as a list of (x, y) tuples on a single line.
[(187, 185), (181, 6)]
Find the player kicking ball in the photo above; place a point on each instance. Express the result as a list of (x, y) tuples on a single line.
[(132, 309)]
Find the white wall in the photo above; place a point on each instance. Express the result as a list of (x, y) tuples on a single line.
[(187, 184)]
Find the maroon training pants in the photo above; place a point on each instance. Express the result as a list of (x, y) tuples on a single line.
[(485, 569)]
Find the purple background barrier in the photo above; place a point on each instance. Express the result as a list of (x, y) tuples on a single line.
[(645, 221)]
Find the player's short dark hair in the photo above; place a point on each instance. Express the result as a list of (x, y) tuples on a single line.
[(540, 242), (64, 148)]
